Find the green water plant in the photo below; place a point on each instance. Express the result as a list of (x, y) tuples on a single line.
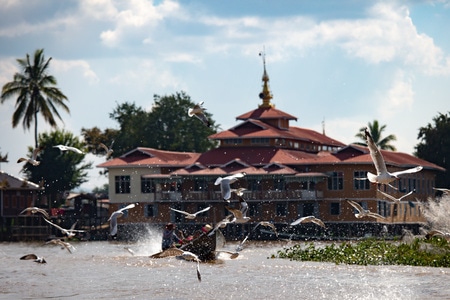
[(434, 252)]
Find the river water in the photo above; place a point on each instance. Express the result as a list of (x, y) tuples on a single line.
[(105, 270)]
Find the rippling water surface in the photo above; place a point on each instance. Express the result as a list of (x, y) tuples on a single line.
[(105, 270)]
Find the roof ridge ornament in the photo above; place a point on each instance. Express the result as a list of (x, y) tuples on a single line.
[(265, 95)]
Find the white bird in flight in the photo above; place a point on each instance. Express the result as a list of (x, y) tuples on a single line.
[(35, 210), (189, 215), (225, 184), (115, 215), (108, 150), (364, 212), (70, 233), (198, 111), (64, 245), (240, 215), (383, 176), (68, 148), (262, 223), (33, 160), (390, 197), (309, 219), (186, 255)]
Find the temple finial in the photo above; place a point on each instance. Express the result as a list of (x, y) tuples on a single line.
[(265, 95)]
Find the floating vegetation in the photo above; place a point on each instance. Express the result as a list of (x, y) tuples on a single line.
[(434, 252)]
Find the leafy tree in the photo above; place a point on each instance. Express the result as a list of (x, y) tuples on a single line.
[(434, 146), (174, 130), (167, 126), (60, 171), (36, 93), (376, 131)]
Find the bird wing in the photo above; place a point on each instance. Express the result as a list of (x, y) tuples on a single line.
[(388, 196), (113, 224), (53, 224), (103, 146), (356, 205), (298, 221), (218, 181), (268, 224), (236, 212), (318, 222), (132, 205), (167, 253), (442, 190), (225, 189), (375, 215), (409, 171), (74, 150), (406, 195), (22, 159), (202, 211), (180, 211), (375, 153), (36, 152)]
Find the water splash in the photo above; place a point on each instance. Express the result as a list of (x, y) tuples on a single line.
[(436, 212)]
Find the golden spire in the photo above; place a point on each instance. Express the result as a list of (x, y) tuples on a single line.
[(265, 95)]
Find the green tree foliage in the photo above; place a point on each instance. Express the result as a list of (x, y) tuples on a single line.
[(376, 131), (166, 126), (60, 171), (35, 92), (434, 146)]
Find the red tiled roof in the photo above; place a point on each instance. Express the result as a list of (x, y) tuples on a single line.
[(266, 113), (10, 182), (259, 129), (142, 157)]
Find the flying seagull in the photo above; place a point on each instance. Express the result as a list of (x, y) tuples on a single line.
[(364, 212), (225, 184), (33, 160), (240, 215), (34, 257), (308, 219), (390, 197), (189, 215), (70, 233), (198, 111), (383, 176), (114, 216), (108, 150), (68, 148), (35, 210), (262, 223), (186, 255), (64, 245)]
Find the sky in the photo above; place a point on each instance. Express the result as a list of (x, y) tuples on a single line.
[(335, 65)]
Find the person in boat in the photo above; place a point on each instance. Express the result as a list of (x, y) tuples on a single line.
[(170, 238)]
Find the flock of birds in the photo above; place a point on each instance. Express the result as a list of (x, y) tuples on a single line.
[(237, 215)]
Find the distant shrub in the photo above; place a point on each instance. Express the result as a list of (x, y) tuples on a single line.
[(433, 253)]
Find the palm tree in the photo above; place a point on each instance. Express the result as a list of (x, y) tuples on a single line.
[(36, 93), (376, 130)]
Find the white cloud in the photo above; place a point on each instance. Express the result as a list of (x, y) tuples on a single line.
[(399, 98), (67, 65), (137, 14)]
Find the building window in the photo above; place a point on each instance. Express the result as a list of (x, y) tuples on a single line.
[(282, 209), (150, 210), (335, 208), (360, 181), (122, 184), (336, 181), (260, 141), (233, 141), (147, 185)]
